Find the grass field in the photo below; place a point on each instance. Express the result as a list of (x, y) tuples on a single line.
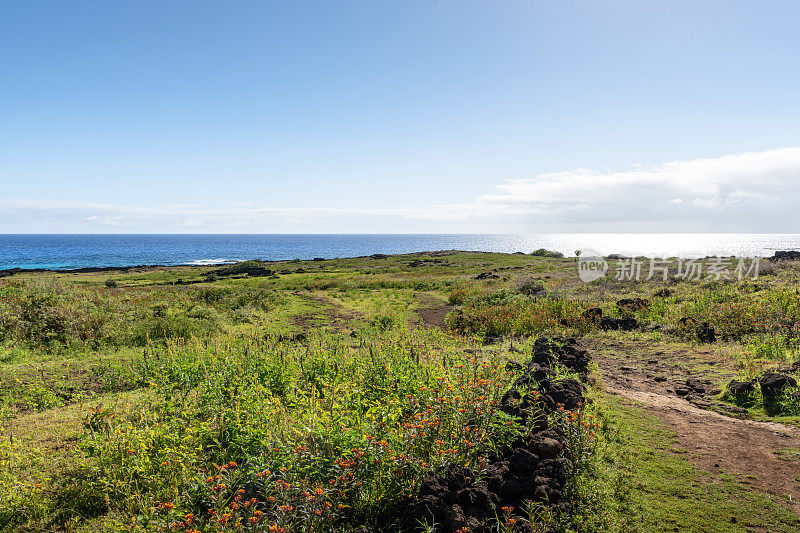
[(325, 395)]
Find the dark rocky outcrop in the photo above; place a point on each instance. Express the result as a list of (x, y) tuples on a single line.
[(422, 262), (788, 255), (663, 293), (252, 269)]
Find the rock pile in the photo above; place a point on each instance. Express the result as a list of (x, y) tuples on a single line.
[(595, 315), (531, 468), (697, 390)]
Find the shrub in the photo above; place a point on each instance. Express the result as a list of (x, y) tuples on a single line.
[(382, 322), (787, 404), (323, 436), (541, 252), (532, 288), (49, 314)]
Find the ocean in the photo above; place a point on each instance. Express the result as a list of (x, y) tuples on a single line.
[(79, 251)]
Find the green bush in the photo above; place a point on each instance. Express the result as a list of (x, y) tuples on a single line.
[(532, 288), (541, 252)]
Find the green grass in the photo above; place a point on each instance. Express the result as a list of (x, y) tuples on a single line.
[(118, 401), (668, 493)]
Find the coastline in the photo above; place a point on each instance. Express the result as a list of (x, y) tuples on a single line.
[(143, 268)]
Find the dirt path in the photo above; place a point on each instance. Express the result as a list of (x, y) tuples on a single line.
[(332, 312), (715, 441), (433, 310)]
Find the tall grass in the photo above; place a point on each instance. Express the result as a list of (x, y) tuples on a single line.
[(328, 433)]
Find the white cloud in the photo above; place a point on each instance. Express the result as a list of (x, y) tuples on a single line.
[(749, 192)]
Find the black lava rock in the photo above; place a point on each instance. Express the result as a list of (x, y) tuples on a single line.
[(773, 383), (741, 388), (623, 324), (706, 333)]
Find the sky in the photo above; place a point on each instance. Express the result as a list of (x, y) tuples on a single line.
[(137, 116)]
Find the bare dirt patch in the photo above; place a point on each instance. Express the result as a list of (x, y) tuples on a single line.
[(433, 310), (714, 441)]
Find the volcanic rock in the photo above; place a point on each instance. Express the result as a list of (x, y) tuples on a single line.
[(773, 383)]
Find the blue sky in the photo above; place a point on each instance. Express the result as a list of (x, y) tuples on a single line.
[(403, 116)]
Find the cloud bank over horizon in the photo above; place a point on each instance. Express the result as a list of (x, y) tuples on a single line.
[(753, 192)]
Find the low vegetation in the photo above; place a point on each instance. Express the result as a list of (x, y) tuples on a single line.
[(330, 395)]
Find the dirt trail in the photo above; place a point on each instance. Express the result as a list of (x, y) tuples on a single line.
[(433, 310), (714, 441), (334, 313)]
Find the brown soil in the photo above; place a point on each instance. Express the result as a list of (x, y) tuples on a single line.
[(433, 310), (714, 440)]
